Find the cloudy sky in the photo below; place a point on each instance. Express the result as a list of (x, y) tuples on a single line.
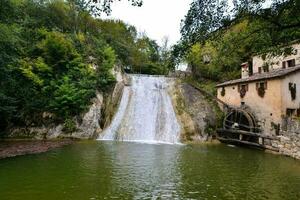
[(158, 18)]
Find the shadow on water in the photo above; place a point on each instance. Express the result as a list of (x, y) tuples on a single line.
[(108, 170)]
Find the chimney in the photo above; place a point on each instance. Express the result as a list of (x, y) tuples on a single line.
[(245, 70)]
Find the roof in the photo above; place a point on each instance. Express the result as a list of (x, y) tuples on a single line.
[(276, 73)]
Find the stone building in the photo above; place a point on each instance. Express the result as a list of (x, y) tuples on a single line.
[(269, 88)]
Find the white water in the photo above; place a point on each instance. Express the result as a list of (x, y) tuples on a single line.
[(145, 113)]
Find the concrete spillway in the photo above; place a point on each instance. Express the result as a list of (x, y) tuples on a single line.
[(145, 113)]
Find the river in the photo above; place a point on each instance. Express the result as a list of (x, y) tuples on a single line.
[(120, 170)]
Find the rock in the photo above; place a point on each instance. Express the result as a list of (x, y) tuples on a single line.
[(288, 146), (87, 125), (90, 125), (55, 131), (127, 81), (117, 72), (275, 145), (195, 113), (283, 138), (280, 146)]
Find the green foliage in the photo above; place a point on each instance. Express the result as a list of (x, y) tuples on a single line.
[(59, 75), (137, 54), (209, 32), (54, 55), (43, 70), (97, 7), (69, 126), (203, 17)]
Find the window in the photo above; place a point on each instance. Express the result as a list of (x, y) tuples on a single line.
[(293, 112), (266, 68), (291, 63), (283, 64), (243, 88), (290, 112), (223, 92), (259, 70), (262, 84), (261, 88), (293, 90)]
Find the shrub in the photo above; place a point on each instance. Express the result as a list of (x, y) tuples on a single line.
[(69, 126)]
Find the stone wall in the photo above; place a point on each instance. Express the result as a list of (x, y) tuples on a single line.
[(288, 141)]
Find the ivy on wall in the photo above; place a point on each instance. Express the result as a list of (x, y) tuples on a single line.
[(261, 88)]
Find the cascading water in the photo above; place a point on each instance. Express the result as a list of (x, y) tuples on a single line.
[(145, 113)]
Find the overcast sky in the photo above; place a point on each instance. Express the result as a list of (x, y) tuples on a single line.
[(158, 18)]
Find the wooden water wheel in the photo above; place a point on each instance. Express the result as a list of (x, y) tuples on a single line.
[(239, 119)]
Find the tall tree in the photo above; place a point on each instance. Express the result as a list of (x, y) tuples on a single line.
[(97, 7), (203, 17)]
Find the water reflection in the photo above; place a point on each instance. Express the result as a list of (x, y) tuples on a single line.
[(151, 170)]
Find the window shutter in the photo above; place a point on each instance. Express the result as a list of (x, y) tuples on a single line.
[(293, 63), (239, 87), (247, 87), (257, 86), (266, 85), (283, 64)]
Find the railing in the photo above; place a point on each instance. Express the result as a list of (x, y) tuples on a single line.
[(240, 133)]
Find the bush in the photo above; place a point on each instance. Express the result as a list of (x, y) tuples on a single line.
[(69, 126)]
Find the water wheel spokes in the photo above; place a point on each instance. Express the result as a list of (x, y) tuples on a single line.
[(239, 119)]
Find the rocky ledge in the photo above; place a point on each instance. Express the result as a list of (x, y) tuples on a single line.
[(196, 113), (18, 148)]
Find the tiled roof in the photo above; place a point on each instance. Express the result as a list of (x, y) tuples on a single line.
[(275, 73)]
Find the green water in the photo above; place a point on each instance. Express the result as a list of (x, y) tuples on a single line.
[(110, 170)]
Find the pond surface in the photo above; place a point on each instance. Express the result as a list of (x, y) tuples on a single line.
[(115, 170)]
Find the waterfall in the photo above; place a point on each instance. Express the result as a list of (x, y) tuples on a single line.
[(145, 113)]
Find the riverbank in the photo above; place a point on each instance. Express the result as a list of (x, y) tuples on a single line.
[(14, 148)]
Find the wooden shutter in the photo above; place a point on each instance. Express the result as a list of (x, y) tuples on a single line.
[(257, 85), (239, 87), (283, 64), (266, 85)]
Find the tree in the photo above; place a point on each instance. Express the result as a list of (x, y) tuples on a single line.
[(203, 17), (97, 7), (232, 38), (54, 55)]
